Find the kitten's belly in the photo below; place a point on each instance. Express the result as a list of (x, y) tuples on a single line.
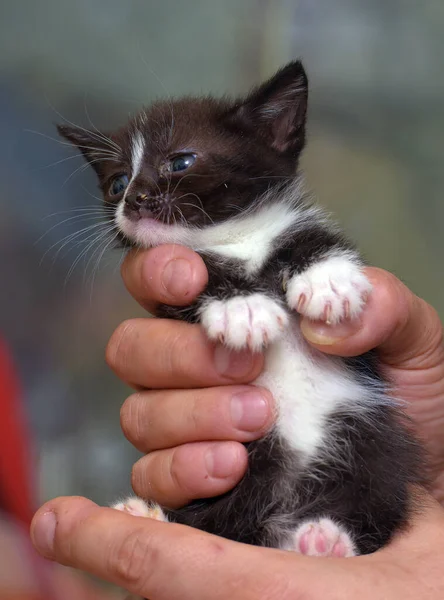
[(308, 387)]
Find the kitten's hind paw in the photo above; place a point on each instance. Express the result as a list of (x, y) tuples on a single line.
[(322, 538), (252, 321), (139, 508)]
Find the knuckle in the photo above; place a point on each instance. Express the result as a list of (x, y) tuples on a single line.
[(196, 414), (133, 560), (144, 476), (178, 471), (119, 345), (136, 479), (131, 420), (182, 353)]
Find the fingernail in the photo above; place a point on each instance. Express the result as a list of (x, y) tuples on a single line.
[(232, 364), (220, 460), (249, 410), (176, 277), (43, 534), (322, 334)]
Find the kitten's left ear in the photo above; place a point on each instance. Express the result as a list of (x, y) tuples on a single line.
[(277, 109), (91, 144)]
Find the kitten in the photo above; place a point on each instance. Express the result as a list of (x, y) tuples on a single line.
[(333, 477)]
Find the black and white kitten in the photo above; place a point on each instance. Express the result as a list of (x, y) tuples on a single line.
[(333, 477)]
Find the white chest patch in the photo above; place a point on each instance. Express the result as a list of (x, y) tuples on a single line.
[(249, 238), (308, 387)]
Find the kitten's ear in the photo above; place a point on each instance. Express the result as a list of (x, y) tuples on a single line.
[(277, 108), (90, 143)]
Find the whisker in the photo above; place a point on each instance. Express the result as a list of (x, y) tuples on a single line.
[(272, 177), (74, 218), (75, 239), (86, 165), (85, 209), (199, 208), (110, 143), (69, 238), (102, 136), (84, 252), (96, 267), (181, 215), (115, 151), (171, 128), (238, 208)]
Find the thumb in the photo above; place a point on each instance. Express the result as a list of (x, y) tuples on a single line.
[(406, 330), (165, 561)]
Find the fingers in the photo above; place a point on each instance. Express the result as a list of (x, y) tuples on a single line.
[(176, 476), (173, 419), (164, 419), (167, 274), (403, 327), (163, 561), (157, 353), (156, 560)]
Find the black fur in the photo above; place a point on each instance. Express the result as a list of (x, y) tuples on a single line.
[(362, 481), (246, 149)]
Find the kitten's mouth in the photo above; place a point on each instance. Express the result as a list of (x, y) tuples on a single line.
[(143, 207), (146, 227), (136, 215)]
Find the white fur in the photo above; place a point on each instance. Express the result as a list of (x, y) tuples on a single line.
[(330, 290), (248, 237), (253, 321), (322, 537), (139, 508), (137, 152), (308, 386)]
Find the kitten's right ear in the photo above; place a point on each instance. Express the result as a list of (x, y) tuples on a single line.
[(93, 145)]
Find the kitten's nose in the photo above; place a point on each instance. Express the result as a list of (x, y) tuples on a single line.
[(135, 201)]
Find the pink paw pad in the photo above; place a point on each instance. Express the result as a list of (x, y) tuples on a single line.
[(323, 538)]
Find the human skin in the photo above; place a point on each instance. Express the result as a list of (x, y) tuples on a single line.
[(192, 436)]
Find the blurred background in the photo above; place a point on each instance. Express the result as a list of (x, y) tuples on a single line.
[(374, 157)]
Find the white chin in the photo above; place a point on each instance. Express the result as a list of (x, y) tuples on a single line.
[(147, 232)]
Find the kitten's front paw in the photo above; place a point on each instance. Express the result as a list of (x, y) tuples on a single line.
[(322, 538), (139, 508), (330, 291), (244, 321)]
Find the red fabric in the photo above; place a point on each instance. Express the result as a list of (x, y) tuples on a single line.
[(15, 469)]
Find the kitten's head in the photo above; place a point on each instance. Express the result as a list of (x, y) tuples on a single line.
[(193, 162)]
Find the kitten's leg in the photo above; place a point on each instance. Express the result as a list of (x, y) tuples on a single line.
[(322, 537), (139, 508), (333, 289), (252, 321)]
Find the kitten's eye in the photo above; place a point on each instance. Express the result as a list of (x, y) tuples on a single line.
[(182, 162), (118, 185)]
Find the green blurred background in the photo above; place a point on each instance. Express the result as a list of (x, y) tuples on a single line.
[(374, 158)]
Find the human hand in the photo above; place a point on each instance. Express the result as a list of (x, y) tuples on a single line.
[(192, 434), (166, 561)]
